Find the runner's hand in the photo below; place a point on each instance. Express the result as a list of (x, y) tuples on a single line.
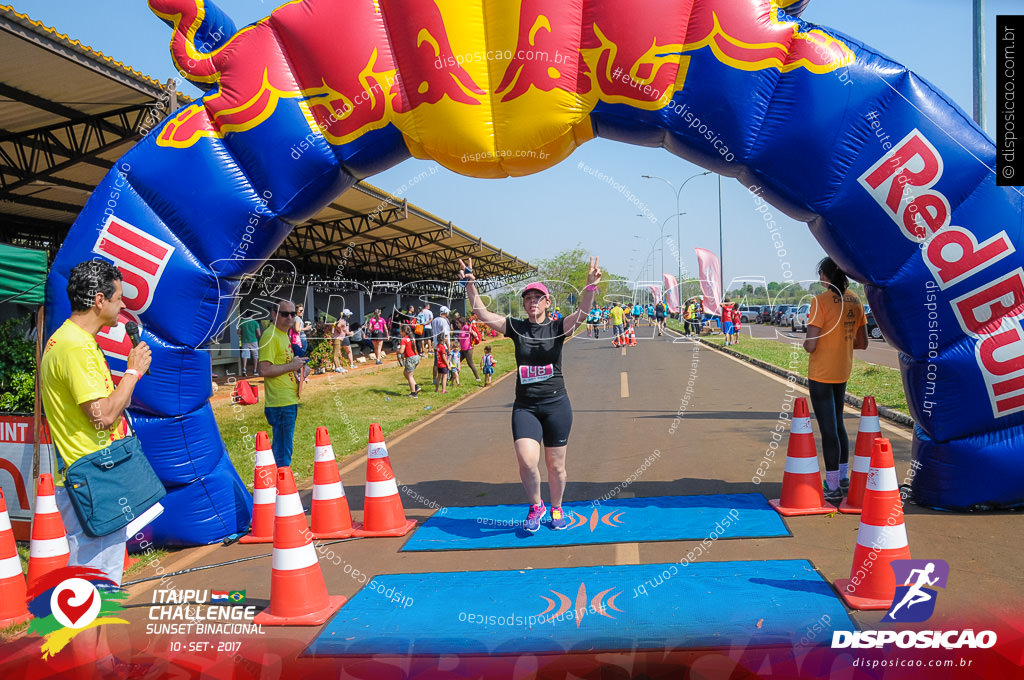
[(466, 271), (594, 275)]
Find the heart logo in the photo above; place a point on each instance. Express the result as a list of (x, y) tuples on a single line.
[(73, 612)]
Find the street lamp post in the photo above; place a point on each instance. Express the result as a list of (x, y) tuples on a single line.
[(678, 213)]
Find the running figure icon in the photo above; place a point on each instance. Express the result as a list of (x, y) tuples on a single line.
[(915, 595)]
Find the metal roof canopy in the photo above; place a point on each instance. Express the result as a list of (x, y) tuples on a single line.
[(67, 113)]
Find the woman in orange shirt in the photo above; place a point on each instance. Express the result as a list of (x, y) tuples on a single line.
[(836, 326)]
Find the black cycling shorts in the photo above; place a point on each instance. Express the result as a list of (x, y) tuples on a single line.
[(547, 421)]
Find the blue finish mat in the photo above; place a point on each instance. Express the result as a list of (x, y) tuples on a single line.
[(604, 608), (621, 520)]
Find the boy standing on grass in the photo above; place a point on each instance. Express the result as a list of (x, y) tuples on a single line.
[(441, 357), (489, 364)]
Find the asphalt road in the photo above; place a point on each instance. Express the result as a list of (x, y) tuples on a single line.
[(627, 404)]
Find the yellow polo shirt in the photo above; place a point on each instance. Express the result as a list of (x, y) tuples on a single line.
[(616, 314), (73, 372), (282, 390)]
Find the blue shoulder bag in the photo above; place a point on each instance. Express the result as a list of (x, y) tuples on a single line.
[(110, 487)]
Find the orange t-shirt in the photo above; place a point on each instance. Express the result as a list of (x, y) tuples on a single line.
[(838, 318)]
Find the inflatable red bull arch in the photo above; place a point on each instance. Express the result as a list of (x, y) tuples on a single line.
[(895, 181)]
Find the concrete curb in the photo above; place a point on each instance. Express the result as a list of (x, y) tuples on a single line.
[(889, 414)]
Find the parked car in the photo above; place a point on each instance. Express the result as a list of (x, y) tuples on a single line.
[(872, 328), (779, 317), (764, 315), (799, 319), (749, 314), (787, 318)]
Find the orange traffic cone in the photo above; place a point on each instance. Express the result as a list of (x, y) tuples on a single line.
[(298, 594), (882, 537), (264, 493), (383, 514), (802, 493), (331, 516), (632, 336), (13, 607), (867, 432), (48, 550)]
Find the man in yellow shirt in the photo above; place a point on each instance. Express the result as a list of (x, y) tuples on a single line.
[(82, 407), (617, 315), (278, 365)]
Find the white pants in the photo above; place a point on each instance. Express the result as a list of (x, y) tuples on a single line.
[(105, 553)]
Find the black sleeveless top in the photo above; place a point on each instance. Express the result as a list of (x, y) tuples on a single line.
[(538, 358)]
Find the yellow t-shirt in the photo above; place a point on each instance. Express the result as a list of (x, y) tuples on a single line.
[(282, 390), (73, 372), (616, 314), (838, 318)]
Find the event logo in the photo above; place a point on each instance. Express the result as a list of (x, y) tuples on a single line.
[(595, 605), (914, 602), (69, 600), (611, 519)]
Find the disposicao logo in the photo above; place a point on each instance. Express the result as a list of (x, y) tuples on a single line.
[(915, 600), (69, 600)]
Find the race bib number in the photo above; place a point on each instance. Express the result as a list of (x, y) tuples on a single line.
[(535, 374)]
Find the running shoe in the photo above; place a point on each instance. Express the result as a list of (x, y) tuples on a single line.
[(418, 388), (534, 517), (844, 485), (558, 519), (834, 496)]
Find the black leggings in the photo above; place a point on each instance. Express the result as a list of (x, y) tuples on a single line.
[(827, 401), (547, 421)]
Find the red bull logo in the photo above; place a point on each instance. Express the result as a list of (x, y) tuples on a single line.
[(357, 66)]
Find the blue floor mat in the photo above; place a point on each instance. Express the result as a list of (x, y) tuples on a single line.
[(621, 520), (586, 609)]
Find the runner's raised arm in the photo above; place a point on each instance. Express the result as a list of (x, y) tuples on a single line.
[(494, 321)]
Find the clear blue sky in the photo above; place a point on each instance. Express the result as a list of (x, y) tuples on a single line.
[(535, 217)]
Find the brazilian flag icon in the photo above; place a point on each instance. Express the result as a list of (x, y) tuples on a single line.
[(237, 596)]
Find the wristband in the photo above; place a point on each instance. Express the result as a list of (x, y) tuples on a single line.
[(592, 286), (132, 371)]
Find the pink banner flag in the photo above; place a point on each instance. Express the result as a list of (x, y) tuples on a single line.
[(655, 292), (671, 293), (710, 280)]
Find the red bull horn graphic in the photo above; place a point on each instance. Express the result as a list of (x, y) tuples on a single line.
[(322, 92), (418, 63)]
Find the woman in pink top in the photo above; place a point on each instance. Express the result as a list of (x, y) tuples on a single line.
[(466, 331), (378, 331)]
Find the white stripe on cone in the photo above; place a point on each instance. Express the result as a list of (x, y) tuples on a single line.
[(289, 559), (48, 547), (265, 458), (882, 538), (882, 479), (869, 424), (322, 454), (802, 466), (861, 464), (46, 505), (288, 506), (5, 522), (328, 492), (381, 489), (264, 496), (801, 426), (377, 450), (10, 566)]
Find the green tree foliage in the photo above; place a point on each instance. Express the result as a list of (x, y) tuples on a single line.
[(17, 368)]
